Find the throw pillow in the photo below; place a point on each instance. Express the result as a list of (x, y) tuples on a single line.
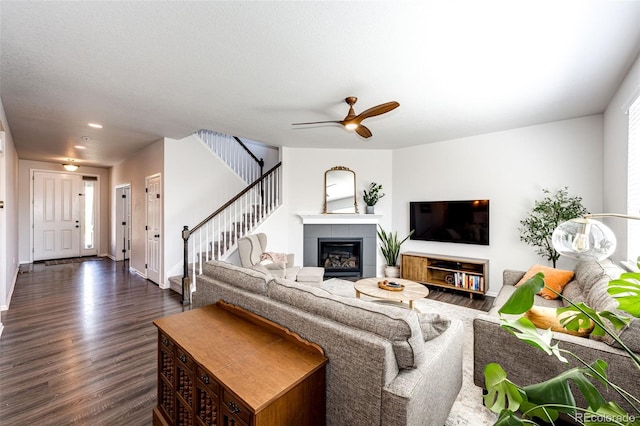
[(553, 278), (544, 317), (269, 257), (432, 325)]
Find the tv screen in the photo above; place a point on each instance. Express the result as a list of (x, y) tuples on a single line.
[(450, 221)]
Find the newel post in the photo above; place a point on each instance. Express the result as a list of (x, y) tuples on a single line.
[(186, 284)]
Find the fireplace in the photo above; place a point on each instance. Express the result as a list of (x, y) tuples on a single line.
[(340, 257)]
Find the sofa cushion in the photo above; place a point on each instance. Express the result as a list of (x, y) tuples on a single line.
[(553, 278), (592, 273), (573, 292), (398, 325), (246, 278), (432, 325)]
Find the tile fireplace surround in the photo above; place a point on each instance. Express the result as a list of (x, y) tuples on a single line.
[(341, 226)]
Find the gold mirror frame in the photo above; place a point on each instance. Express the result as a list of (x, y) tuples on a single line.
[(339, 197)]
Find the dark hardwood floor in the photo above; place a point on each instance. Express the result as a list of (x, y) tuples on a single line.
[(482, 303), (79, 347)]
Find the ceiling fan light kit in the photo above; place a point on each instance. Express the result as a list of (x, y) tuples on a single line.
[(353, 121)]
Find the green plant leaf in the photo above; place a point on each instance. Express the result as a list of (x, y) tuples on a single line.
[(576, 319), (521, 299), (557, 392), (524, 330), (501, 393), (626, 290), (508, 418), (618, 322)]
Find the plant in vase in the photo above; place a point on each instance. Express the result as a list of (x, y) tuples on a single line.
[(372, 195), (537, 229), (390, 247)]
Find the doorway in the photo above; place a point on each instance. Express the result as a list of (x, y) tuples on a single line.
[(123, 222), (65, 210), (153, 228)]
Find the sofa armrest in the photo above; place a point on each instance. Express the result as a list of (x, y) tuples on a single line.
[(290, 260), (527, 365), (437, 379), (511, 276)]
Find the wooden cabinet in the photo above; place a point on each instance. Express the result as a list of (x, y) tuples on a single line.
[(224, 366), (458, 273)]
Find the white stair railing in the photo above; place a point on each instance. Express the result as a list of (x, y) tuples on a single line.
[(234, 153), (219, 233)]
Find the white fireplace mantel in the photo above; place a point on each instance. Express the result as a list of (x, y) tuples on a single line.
[(347, 219)]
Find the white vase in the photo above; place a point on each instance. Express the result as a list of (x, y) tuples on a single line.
[(392, 271)]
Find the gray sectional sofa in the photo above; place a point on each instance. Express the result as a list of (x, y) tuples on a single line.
[(387, 365), (526, 365)]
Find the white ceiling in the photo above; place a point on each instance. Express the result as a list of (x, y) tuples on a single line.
[(148, 69)]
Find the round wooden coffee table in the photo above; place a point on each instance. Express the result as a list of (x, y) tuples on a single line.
[(411, 291)]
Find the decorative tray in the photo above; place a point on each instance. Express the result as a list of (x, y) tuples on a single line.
[(391, 286)]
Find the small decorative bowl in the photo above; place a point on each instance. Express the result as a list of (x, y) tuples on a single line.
[(390, 286)]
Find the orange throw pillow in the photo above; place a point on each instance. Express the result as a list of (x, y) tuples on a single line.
[(556, 279), (544, 317)]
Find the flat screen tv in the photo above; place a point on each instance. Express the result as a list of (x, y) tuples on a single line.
[(450, 221)]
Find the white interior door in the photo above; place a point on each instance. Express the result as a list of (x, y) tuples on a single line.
[(154, 225), (123, 222), (56, 215)]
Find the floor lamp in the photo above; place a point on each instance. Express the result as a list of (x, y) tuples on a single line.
[(585, 238)]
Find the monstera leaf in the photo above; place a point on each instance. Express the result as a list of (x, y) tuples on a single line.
[(524, 330), (521, 299), (626, 290), (501, 393), (581, 315)]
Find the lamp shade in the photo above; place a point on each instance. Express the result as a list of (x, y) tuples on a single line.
[(584, 239)]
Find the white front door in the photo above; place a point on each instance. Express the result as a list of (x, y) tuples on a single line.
[(56, 215), (154, 227)]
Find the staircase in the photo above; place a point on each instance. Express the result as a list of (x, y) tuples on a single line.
[(216, 236)]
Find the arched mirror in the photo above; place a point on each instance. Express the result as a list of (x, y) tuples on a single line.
[(340, 191)]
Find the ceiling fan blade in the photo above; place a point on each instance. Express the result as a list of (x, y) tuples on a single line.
[(317, 122), (377, 110), (363, 131)]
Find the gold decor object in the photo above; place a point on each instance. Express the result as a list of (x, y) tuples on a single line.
[(391, 286)]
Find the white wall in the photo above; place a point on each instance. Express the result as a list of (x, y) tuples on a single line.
[(9, 215), (510, 169), (197, 183), (304, 185), (146, 162), (24, 177), (615, 156)]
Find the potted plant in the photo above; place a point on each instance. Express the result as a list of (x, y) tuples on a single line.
[(390, 246), (546, 215), (372, 195), (517, 404)]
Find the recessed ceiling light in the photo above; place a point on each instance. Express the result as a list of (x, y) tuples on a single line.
[(95, 125), (80, 147)]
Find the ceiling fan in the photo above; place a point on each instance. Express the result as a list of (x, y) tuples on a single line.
[(352, 121)]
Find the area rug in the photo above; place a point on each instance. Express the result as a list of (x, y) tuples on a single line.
[(467, 410), (71, 260)]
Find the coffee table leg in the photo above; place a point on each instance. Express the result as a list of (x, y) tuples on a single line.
[(357, 294)]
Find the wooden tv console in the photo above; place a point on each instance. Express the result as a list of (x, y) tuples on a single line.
[(222, 365), (457, 273)]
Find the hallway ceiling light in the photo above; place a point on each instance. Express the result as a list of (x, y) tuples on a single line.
[(70, 167), (95, 125)]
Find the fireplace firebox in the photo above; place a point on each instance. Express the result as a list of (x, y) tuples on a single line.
[(340, 257)]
